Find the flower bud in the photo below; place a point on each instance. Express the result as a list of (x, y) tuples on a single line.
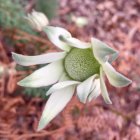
[(37, 20), (80, 21)]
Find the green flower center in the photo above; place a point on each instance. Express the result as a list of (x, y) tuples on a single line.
[(80, 64)]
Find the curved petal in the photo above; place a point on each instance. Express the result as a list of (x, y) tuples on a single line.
[(64, 77), (101, 51), (54, 34), (96, 90), (44, 76), (103, 88), (116, 79), (85, 88), (61, 85), (39, 59), (75, 42), (113, 57), (56, 103)]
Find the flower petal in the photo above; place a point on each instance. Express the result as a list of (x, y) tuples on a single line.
[(113, 57), (103, 88), (85, 88), (96, 90), (101, 51), (39, 59), (115, 78), (75, 42), (44, 76), (54, 34), (64, 77), (61, 85), (55, 105)]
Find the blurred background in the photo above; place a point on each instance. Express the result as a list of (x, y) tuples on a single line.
[(116, 22)]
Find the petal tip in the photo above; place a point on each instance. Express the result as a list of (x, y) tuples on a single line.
[(39, 128), (83, 102), (23, 83), (13, 54), (41, 124), (20, 83), (108, 102), (48, 92), (15, 57), (128, 82)]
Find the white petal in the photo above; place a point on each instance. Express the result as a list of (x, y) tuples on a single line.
[(39, 59), (113, 57), (116, 79), (54, 34), (96, 90), (101, 51), (85, 88), (55, 105), (75, 42), (64, 77), (45, 76), (61, 85), (103, 88)]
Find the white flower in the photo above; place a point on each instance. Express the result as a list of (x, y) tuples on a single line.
[(80, 66), (37, 20), (80, 21)]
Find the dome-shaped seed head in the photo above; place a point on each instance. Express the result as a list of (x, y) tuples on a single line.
[(80, 64)]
